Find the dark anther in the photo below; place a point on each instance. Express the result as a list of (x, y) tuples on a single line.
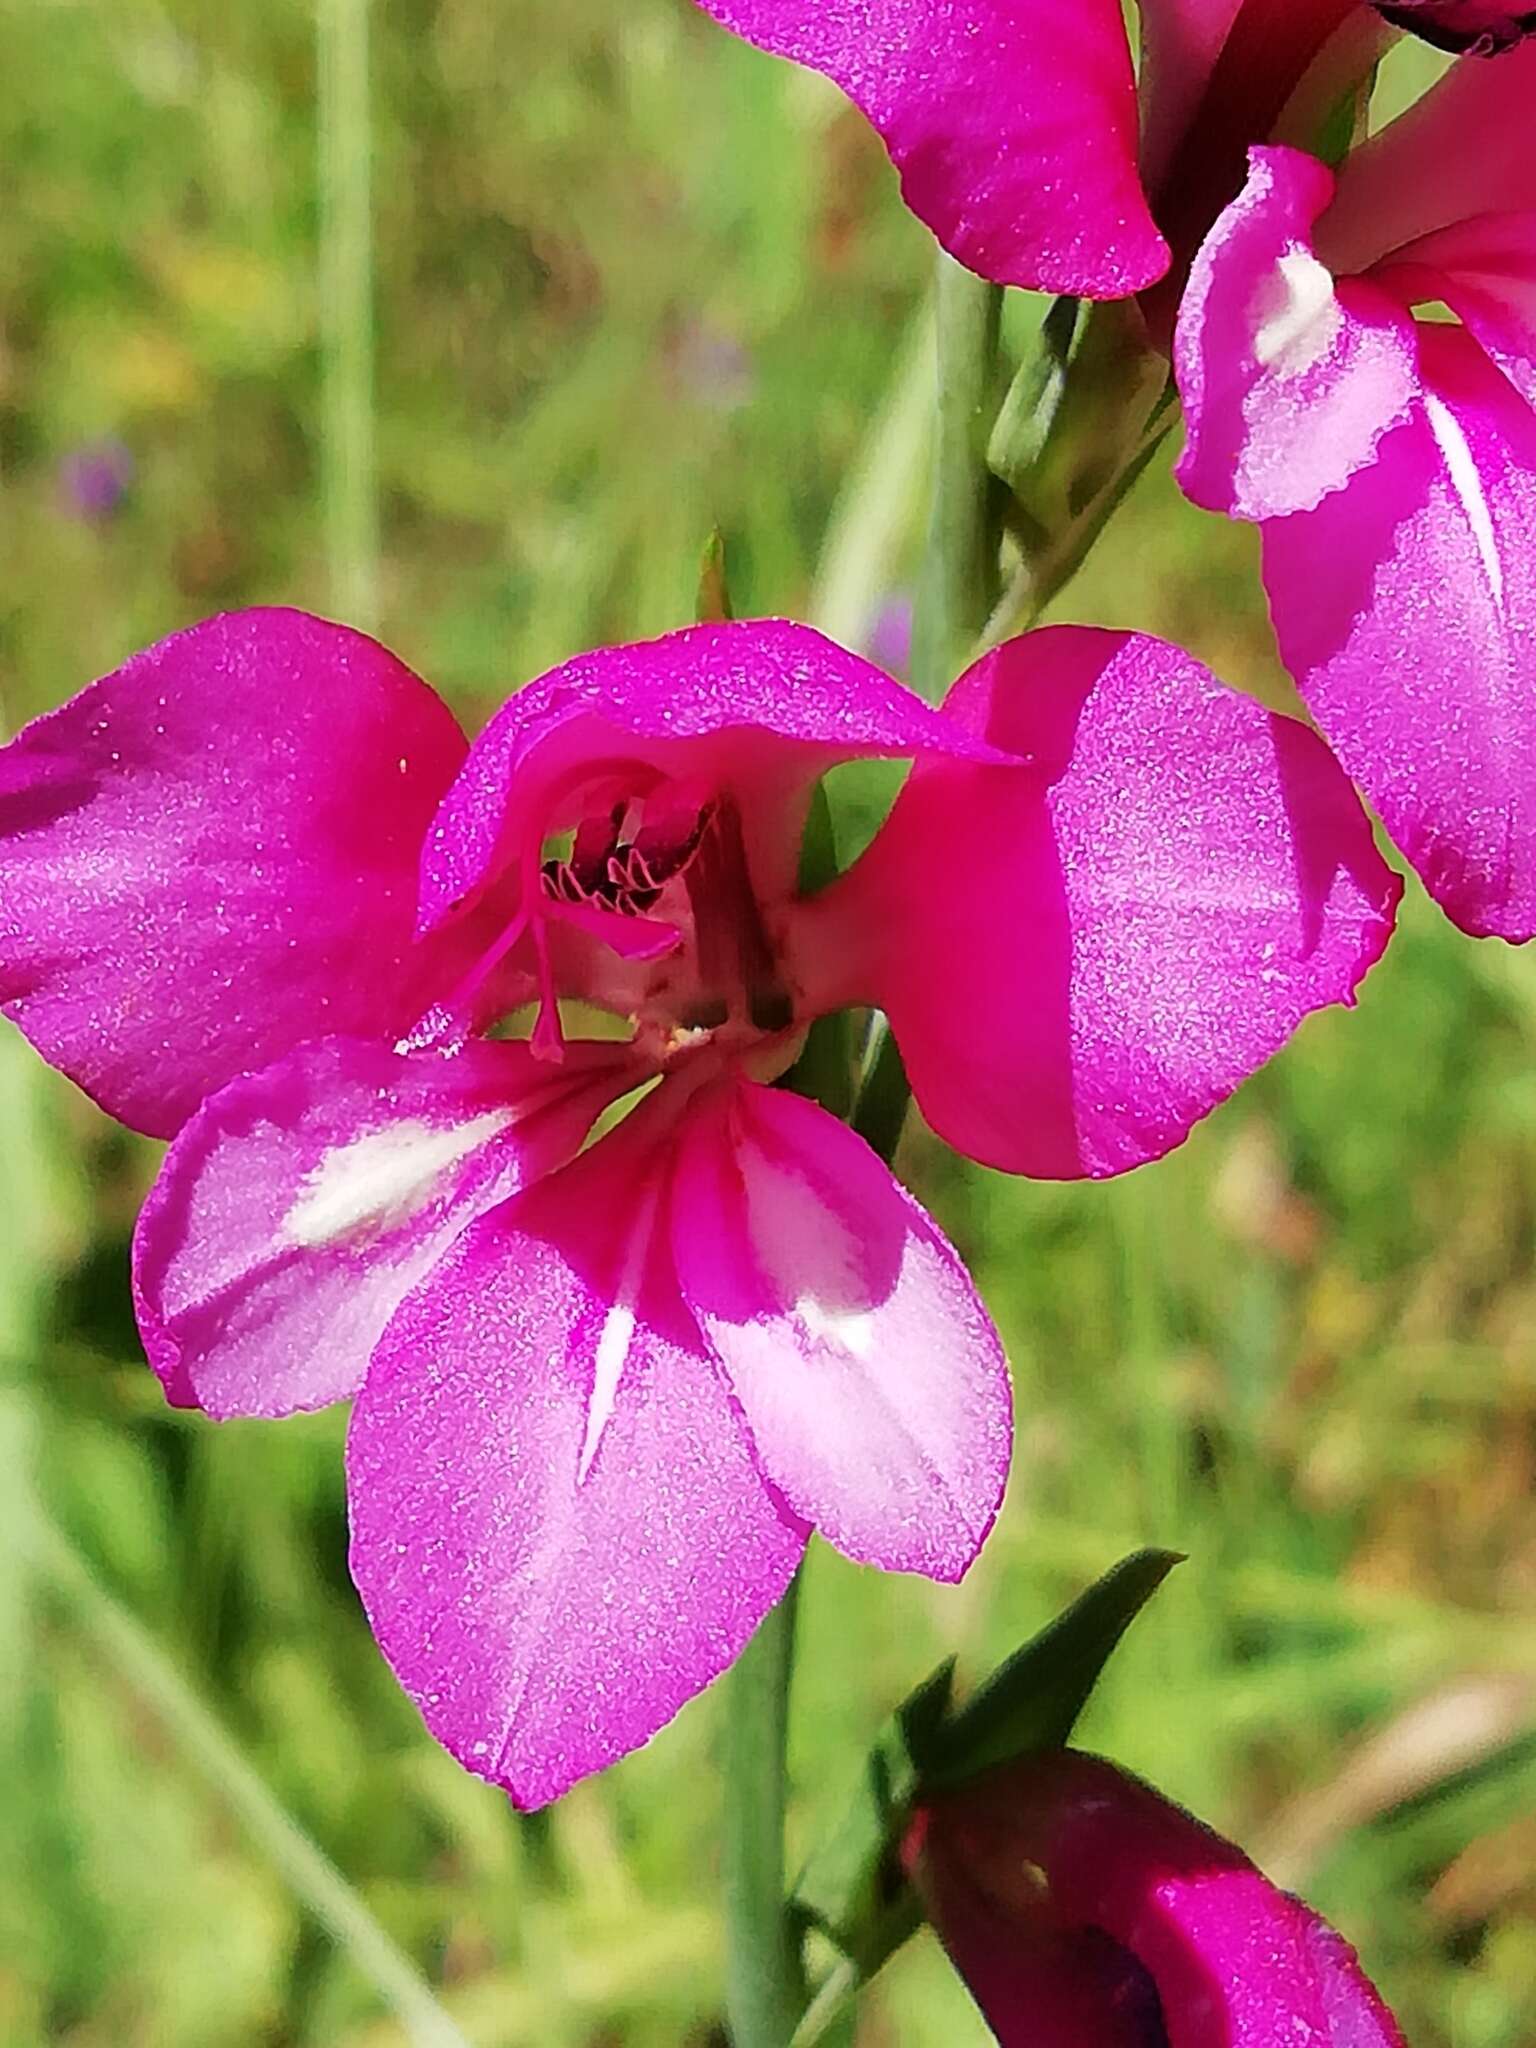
[(618, 874)]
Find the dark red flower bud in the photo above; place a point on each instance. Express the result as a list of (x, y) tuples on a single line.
[(1084, 1910), (1469, 28)]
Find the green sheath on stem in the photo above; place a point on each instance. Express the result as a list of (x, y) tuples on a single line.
[(765, 1990), (959, 582)]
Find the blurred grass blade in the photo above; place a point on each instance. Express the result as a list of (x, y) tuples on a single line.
[(347, 453), (877, 504), (312, 1876)]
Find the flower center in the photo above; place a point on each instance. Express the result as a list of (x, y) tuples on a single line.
[(648, 907), (621, 864)]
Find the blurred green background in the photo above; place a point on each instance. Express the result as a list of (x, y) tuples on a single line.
[(634, 280)]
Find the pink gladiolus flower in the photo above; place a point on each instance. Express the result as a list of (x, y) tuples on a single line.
[(257, 896), (1016, 124), (1084, 1910), (1390, 462)]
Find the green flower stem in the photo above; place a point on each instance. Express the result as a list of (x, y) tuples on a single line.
[(958, 586), (765, 1982)]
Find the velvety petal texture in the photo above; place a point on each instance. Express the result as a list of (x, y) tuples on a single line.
[(1289, 378), (868, 1371), (300, 1205), (1083, 1907), (210, 855), (1013, 124), (1406, 609), (761, 707), (559, 1526), (1082, 956)]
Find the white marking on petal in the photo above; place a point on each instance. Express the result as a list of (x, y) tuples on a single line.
[(1298, 316), (797, 1239), (1468, 486), (382, 1179), (614, 1340), (851, 1329)]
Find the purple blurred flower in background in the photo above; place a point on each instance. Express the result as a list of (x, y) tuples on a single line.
[(93, 480), (711, 366), (890, 634)]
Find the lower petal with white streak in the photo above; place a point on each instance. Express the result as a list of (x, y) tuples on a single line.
[(870, 1373), (559, 1527), (300, 1205)]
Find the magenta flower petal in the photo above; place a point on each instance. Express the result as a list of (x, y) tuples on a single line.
[(559, 1528), (1083, 1907), (868, 1371), (759, 706), (1484, 269), (1012, 122), (1406, 609), (1467, 147), (210, 856), (299, 1206), (1081, 957), (1288, 379)]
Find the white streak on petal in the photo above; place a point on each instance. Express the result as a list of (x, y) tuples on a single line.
[(615, 1339), (1468, 486), (852, 1330), (383, 1178), (1298, 315)]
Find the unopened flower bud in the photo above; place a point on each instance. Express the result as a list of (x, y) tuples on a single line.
[(1082, 1907)]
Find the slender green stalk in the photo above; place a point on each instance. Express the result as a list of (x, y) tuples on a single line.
[(313, 1877), (765, 1982), (958, 585), (349, 479)]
